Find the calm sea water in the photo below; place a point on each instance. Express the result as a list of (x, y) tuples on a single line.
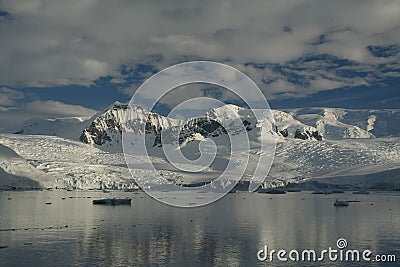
[(73, 232)]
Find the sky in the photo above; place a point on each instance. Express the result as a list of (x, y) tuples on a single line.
[(71, 58)]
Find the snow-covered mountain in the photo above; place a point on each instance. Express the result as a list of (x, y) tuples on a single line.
[(287, 126), (303, 123), (338, 144), (338, 123), (63, 127), (105, 129)]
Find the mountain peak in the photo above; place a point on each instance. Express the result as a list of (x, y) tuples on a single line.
[(117, 105)]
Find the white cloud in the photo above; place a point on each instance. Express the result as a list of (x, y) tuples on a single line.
[(326, 84), (12, 119), (56, 109), (56, 42), (94, 68), (8, 96)]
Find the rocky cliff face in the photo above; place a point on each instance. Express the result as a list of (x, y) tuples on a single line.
[(106, 128)]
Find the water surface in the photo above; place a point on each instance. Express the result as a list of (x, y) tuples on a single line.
[(73, 232)]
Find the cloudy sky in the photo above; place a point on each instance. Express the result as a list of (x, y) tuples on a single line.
[(55, 54)]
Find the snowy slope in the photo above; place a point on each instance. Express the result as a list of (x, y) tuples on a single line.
[(72, 163), (16, 172), (62, 127), (79, 165), (307, 159)]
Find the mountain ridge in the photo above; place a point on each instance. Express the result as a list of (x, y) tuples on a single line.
[(105, 128)]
